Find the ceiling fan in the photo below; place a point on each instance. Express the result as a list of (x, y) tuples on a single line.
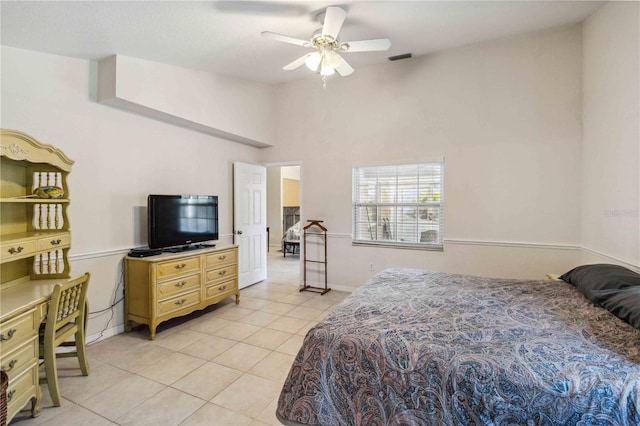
[(325, 58)]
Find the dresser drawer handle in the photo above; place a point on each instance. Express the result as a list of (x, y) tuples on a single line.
[(180, 302), (12, 364), (56, 242), (180, 284), (181, 266), (223, 288), (10, 394), (222, 257), (10, 334), (223, 272), (14, 250)]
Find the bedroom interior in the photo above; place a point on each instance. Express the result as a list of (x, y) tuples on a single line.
[(531, 107), (283, 207)]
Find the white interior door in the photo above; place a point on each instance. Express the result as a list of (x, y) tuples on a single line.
[(250, 221)]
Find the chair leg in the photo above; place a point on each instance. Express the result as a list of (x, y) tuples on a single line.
[(51, 373), (81, 350)]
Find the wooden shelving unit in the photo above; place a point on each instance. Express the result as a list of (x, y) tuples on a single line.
[(315, 229), (35, 238)]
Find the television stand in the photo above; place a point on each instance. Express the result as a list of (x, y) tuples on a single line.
[(170, 285)]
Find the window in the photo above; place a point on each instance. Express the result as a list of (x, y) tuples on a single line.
[(398, 205)]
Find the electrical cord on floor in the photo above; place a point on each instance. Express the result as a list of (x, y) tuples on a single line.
[(111, 308)]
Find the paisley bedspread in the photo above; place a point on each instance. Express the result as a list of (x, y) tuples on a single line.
[(414, 347)]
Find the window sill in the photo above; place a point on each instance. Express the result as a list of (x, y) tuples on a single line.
[(406, 246)]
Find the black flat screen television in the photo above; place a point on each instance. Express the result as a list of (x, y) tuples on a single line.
[(179, 222)]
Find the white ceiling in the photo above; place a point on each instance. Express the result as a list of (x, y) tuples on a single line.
[(224, 37)]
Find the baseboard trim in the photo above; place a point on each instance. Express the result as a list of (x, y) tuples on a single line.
[(515, 244), (124, 251), (344, 288), (96, 254), (336, 235), (527, 245), (626, 263), (110, 332), (450, 241)]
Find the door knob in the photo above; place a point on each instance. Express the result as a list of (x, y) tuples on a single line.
[(239, 232)]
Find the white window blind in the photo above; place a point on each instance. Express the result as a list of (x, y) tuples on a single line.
[(398, 205)]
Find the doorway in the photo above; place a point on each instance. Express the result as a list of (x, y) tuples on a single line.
[(284, 206)]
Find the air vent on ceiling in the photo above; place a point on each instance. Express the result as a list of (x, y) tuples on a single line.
[(399, 57)]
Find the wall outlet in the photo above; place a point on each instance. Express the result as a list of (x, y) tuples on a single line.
[(371, 266)]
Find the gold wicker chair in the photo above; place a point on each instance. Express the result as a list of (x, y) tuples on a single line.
[(65, 318)]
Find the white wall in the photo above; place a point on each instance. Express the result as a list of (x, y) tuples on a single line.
[(290, 172), (119, 157), (505, 115), (274, 205), (611, 136), (218, 105)]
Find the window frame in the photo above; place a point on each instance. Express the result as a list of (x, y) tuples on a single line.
[(434, 203)]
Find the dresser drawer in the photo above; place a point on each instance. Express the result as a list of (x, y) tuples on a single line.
[(21, 389), (221, 258), (224, 273), (17, 330), (23, 357), (55, 241), (229, 287), (178, 302), (180, 285), (178, 267), (17, 249)]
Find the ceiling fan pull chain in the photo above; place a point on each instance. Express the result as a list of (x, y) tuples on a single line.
[(324, 81)]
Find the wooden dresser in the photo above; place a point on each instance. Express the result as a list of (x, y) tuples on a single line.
[(169, 285)]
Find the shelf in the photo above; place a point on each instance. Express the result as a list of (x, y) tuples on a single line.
[(44, 233), (34, 249), (35, 200), (35, 237)]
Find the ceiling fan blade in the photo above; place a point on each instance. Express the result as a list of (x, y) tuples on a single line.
[(297, 63), (372, 45), (286, 39), (333, 20), (344, 69)]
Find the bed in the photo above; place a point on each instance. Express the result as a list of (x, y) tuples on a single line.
[(414, 347)]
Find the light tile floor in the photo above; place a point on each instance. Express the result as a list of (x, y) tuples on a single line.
[(224, 365)]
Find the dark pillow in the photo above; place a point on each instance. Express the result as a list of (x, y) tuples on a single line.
[(623, 303), (588, 278)]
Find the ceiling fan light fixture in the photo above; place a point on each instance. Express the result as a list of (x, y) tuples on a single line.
[(332, 58), (313, 61), (326, 69), (326, 59)]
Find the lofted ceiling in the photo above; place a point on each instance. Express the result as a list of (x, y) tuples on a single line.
[(224, 37)]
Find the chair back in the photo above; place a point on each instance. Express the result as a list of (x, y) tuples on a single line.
[(67, 309)]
